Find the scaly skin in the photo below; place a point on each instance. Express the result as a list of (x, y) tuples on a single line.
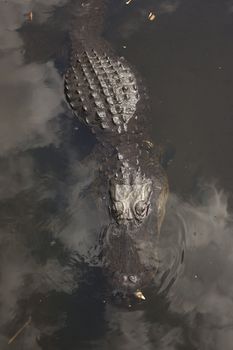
[(104, 93)]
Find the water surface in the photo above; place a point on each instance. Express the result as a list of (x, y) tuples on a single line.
[(46, 236)]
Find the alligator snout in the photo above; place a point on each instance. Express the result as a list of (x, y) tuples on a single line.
[(120, 297), (125, 266), (129, 215), (127, 282), (126, 288)]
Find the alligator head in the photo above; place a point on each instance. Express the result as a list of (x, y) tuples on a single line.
[(133, 196), (130, 244), (130, 202)]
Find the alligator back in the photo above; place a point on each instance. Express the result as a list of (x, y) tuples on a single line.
[(102, 90)]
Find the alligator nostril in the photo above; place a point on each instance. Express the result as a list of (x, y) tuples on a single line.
[(133, 278), (118, 295), (128, 215)]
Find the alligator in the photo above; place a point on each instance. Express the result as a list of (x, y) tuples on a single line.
[(107, 95)]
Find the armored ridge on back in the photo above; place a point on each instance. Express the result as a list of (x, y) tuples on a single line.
[(104, 93)]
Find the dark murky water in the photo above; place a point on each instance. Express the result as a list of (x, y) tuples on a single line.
[(46, 236)]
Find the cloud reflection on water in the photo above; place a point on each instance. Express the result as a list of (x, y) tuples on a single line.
[(31, 94), (31, 97), (204, 292), (201, 295), (200, 306)]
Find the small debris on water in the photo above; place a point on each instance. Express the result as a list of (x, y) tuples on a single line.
[(20, 330), (29, 16), (52, 243), (139, 295), (151, 16), (128, 2), (124, 46)]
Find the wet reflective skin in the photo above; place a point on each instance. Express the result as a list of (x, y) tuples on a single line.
[(131, 202)]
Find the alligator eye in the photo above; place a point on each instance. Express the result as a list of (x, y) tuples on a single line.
[(141, 208), (118, 207), (133, 278)]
